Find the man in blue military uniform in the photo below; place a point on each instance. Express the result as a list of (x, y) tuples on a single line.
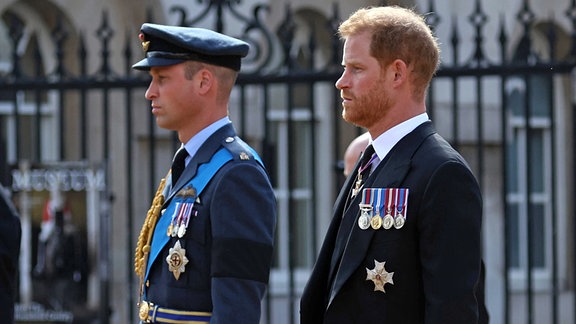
[(205, 249)]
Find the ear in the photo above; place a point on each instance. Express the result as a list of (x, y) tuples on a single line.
[(206, 81), (399, 71)]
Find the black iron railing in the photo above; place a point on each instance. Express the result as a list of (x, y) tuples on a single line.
[(286, 86)]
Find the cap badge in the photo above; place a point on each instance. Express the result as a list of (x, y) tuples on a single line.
[(379, 276), (145, 44)]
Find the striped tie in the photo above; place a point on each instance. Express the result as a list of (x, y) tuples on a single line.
[(365, 167)]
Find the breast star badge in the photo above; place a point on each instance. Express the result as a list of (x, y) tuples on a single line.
[(379, 276), (177, 260)]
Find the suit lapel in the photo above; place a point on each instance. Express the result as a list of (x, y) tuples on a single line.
[(342, 219), (204, 154), (390, 173)]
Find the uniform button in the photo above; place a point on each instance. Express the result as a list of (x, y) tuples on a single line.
[(229, 139), (147, 283)]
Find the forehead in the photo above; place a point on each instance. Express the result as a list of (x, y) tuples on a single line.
[(357, 47)]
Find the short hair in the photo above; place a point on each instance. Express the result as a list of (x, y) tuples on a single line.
[(398, 33), (226, 77)]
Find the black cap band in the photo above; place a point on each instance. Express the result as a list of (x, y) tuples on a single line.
[(232, 62)]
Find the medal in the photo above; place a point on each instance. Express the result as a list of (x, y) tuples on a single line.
[(177, 260), (357, 186), (181, 231), (359, 181), (173, 227), (365, 216), (180, 219), (379, 276), (388, 221), (376, 221), (364, 221), (366, 209), (399, 220), (187, 210)]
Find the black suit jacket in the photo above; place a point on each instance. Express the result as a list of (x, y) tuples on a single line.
[(435, 257), (10, 233)]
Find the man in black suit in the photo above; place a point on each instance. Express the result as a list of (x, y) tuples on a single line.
[(10, 233), (404, 244)]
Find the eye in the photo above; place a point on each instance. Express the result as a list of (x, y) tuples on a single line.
[(354, 70), (160, 79)]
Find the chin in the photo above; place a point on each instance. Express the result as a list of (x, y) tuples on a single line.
[(345, 113), (347, 116), (162, 123)]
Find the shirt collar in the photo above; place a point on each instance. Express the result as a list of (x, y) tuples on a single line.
[(197, 140), (384, 143)]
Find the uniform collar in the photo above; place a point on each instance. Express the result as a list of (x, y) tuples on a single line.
[(197, 140)]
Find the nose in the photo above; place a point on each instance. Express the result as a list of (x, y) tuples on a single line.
[(151, 92), (342, 82)]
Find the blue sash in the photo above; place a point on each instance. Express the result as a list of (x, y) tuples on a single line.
[(205, 173)]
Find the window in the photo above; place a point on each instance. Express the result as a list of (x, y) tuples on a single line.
[(529, 183), (27, 114), (293, 190)]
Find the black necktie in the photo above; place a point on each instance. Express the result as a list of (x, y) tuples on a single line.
[(178, 164)]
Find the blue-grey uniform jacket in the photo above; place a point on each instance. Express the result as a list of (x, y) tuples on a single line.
[(228, 241)]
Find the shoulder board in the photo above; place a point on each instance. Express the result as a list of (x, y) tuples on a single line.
[(239, 149)]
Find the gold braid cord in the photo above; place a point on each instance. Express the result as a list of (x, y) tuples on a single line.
[(145, 238)]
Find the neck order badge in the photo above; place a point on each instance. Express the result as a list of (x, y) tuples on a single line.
[(367, 158)]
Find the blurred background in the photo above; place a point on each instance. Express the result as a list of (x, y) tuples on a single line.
[(82, 155)]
